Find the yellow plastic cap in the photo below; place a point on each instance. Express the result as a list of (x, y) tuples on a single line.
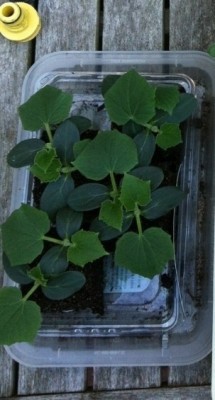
[(19, 21)]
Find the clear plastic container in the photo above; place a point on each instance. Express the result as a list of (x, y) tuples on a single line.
[(145, 322)]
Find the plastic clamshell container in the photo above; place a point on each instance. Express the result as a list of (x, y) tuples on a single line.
[(151, 325)]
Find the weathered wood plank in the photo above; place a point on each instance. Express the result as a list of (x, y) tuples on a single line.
[(50, 380), (133, 25), (195, 374), (126, 378), (14, 62), (188, 393), (67, 25), (193, 26)]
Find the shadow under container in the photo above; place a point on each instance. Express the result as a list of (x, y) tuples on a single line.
[(145, 322)]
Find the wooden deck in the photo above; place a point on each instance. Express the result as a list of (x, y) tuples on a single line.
[(97, 25)]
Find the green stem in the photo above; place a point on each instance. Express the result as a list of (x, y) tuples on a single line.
[(49, 133), (53, 240), (68, 169), (31, 291), (138, 219), (113, 183)]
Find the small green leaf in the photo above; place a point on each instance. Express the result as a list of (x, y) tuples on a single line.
[(110, 151), (19, 273), (20, 320), (107, 232), (169, 136), (150, 173), (54, 261), (132, 129), (145, 254), (145, 143), (186, 106), (64, 138), (88, 196), (24, 152), (56, 194), (46, 165), (82, 123), (86, 247), (111, 213), (48, 106), (211, 50), (68, 222), (80, 146), (108, 82), (37, 275), (64, 285), (130, 98), (163, 200), (166, 98), (134, 191), (22, 234)]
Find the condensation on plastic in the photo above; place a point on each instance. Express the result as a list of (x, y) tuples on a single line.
[(184, 336)]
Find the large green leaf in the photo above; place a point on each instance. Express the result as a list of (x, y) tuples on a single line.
[(86, 247), (107, 232), (64, 138), (145, 254), (134, 191), (88, 196), (20, 320), (169, 136), (64, 285), (46, 165), (111, 212), (48, 106), (166, 98), (130, 98), (54, 261), (163, 200), (108, 82), (68, 222), (80, 146), (150, 173), (55, 195), (145, 143), (82, 123), (24, 152), (108, 152), (22, 234), (19, 273), (186, 106), (132, 129)]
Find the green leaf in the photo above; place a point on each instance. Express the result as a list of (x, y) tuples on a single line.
[(20, 320), (145, 143), (169, 136), (46, 165), (88, 196), (110, 152), (166, 98), (22, 234), (130, 98), (37, 275), (108, 82), (24, 152), (211, 50), (163, 200), (68, 222), (111, 213), (54, 261), (55, 195), (48, 106), (131, 128), (107, 232), (186, 106), (153, 174), (80, 146), (19, 273), (134, 191), (86, 247), (64, 138), (82, 123), (64, 285), (145, 254)]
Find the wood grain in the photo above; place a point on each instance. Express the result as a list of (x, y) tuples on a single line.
[(193, 26), (133, 25), (188, 375)]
